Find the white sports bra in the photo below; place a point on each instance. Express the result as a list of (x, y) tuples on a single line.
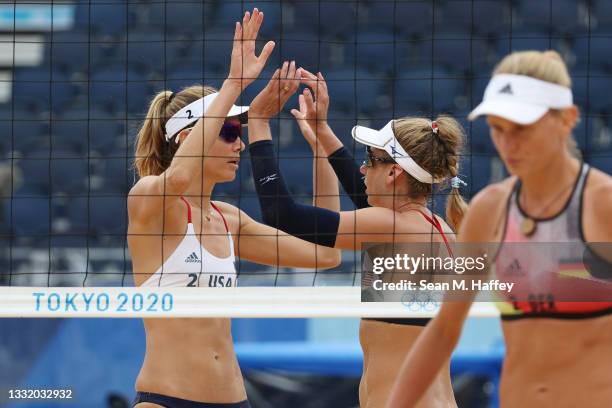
[(192, 265)]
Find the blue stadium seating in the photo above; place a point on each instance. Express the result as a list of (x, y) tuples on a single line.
[(354, 91), (107, 137), (187, 16), (107, 91), (331, 18), (108, 54), (35, 172), (341, 123), (601, 17), (138, 93), (145, 55), (523, 42), (115, 175), (580, 132), (31, 137), (75, 210), (6, 141), (183, 77), (379, 58), (580, 91), (6, 111), (148, 16), (446, 96), (418, 90), (455, 18), (304, 50), (601, 162), (83, 112), (70, 135), (68, 175), (108, 215), (62, 94), (491, 17), (106, 18), (368, 17), (374, 51), (31, 98), (69, 216), (55, 95), (40, 73), (480, 141), (461, 18), (69, 51), (599, 96), (560, 16), (414, 19), (229, 12), (478, 171), (592, 53), (30, 216), (191, 56), (457, 55)]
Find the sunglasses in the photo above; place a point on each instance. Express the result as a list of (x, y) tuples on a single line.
[(230, 131), (370, 158)]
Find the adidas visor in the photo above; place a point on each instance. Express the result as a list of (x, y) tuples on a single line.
[(521, 99), (194, 111), (385, 139)]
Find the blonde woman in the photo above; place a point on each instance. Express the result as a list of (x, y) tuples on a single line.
[(558, 354), (404, 159), (178, 236)]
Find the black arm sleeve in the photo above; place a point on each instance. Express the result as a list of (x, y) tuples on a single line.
[(279, 209), (347, 171)]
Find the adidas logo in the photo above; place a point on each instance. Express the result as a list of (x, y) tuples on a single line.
[(193, 258), (506, 90)]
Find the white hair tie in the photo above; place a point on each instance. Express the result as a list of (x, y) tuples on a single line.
[(456, 182)]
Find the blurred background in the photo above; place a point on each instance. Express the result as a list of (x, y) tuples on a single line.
[(75, 81)]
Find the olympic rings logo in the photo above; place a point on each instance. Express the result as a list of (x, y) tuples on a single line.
[(420, 302)]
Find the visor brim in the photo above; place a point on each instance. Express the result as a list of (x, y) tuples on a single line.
[(517, 112), (241, 112), (369, 137)]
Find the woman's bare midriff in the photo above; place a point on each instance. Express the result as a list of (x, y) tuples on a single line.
[(192, 359), (385, 346), (557, 363)]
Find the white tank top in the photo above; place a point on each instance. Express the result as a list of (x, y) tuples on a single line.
[(192, 265)]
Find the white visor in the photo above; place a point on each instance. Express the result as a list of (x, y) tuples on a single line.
[(385, 139), (521, 99), (194, 111)]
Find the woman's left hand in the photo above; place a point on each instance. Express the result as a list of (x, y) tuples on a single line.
[(283, 84), (245, 65)]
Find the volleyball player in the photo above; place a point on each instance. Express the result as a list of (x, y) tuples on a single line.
[(189, 142), (558, 354), (405, 159)]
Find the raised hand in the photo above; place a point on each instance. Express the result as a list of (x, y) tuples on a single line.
[(271, 99), (245, 65), (312, 115), (318, 86), (304, 117)]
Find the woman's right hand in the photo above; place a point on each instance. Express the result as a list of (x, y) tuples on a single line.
[(305, 117), (312, 115), (245, 66), (319, 104)]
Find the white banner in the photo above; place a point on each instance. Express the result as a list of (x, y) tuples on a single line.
[(338, 301)]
